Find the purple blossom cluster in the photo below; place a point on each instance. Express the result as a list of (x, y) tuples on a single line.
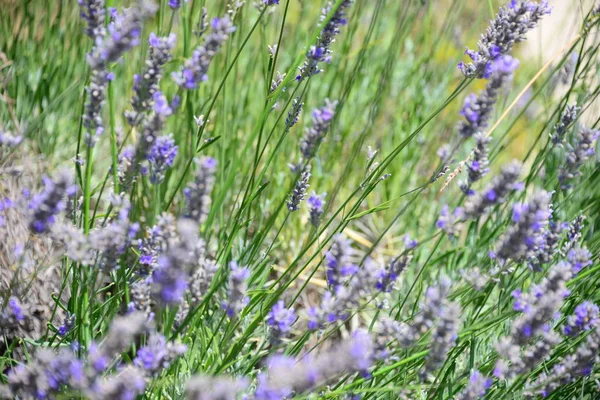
[(93, 12), (199, 191), (195, 69), (537, 308), (478, 167), (45, 206), (237, 297), (123, 34), (350, 285), (170, 278), (577, 154), (525, 235), (176, 4), (280, 319), (8, 139), (298, 194), (585, 318), (478, 110), (578, 364), (508, 27), (314, 135), (161, 157), (437, 315), (567, 118), (321, 51), (476, 387), (286, 376), (294, 114), (145, 86), (51, 373), (495, 193), (449, 222), (315, 204), (547, 246)]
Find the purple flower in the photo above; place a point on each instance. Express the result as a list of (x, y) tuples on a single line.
[(238, 287), (172, 281), (195, 69), (294, 113), (577, 154), (337, 260), (568, 116), (478, 110), (450, 222), (495, 193), (199, 191), (476, 387), (314, 135), (387, 277), (92, 11), (321, 52), (175, 4), (510, 26), (146, 85), (162, 155), (45, 206), (157, 354), (124, 34), (16, 309), (299, 192), (579, 257), (584, 318), (315, 207), (525, 235), (280, 319)]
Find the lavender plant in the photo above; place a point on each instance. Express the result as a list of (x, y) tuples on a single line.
[(134, 265)]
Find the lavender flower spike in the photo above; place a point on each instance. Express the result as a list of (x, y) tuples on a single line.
[(495, 193), (573, 366), (238, 288), (509, 27), (294, 113), (321, 52), (280, 319), (337, 260), (123, 34), (175, 4), (299, 192), (444, 336), (171, 276), (313, 136), (199, 191), (577, 154), (45, 206), (585, 317), (162, 155), (157, 354), (479, 165), (449, 222), (315, 207), (146, 85), (476, 387), (525, 235), (93, 11), (195, 69), (478, 109), (566, 119)]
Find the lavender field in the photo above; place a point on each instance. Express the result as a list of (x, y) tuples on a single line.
[(299, 199)]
